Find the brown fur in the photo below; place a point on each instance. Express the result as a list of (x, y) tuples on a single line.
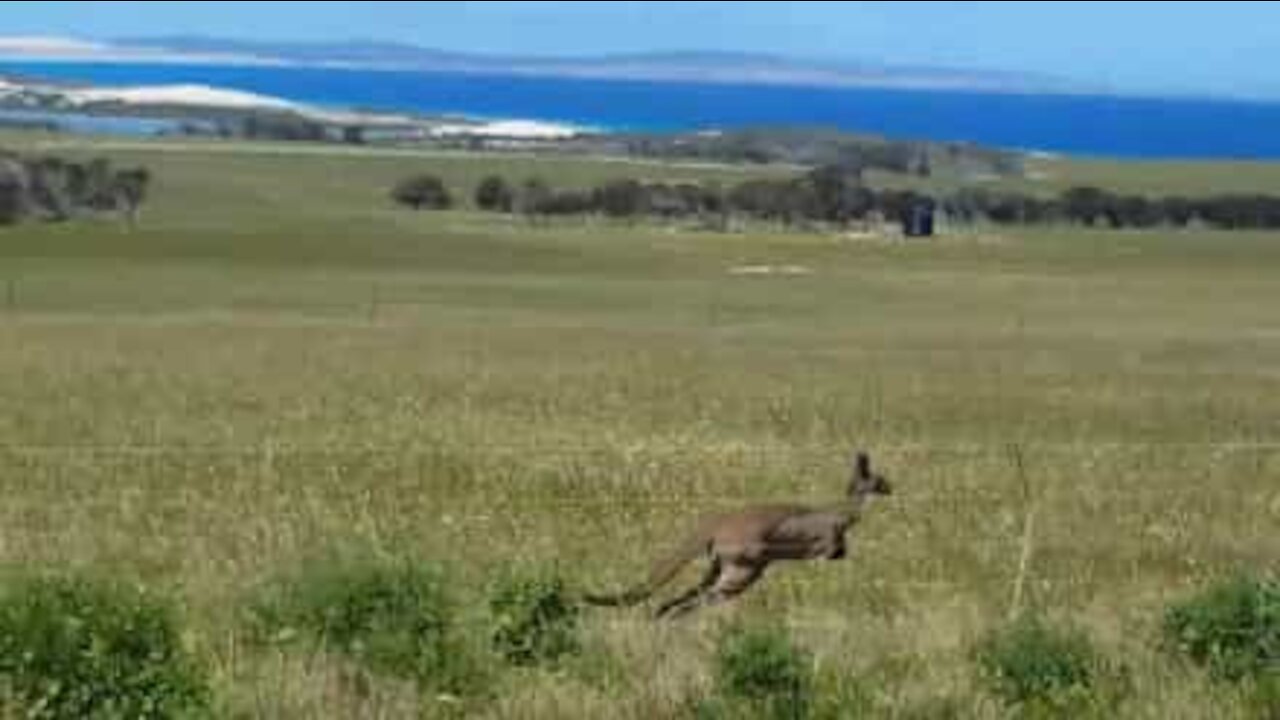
[(742, 545)]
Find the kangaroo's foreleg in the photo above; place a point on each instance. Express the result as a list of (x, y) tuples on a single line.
[(689, 600)]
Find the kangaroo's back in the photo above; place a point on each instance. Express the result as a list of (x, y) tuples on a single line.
[(756, 519)]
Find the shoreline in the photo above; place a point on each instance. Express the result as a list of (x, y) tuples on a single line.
[(197, 107), (43, 100)]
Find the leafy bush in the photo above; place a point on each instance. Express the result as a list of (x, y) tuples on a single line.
[(423, 192), (73, 648), (393, 618), (779, 689), (764, 670), (1034, 665), (534, 621), (1233, 629)]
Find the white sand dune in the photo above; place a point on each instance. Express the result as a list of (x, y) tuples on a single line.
[(520, 129), (187, 95), (354, 117), (206, 96)]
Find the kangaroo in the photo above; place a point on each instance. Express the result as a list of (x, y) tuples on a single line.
[(742, 545)]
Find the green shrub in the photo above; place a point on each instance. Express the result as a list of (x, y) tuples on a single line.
[(828, 695), (762, 669), (534, 621), (75, 648), (1233, 629), (1035, 666), (393, 618)]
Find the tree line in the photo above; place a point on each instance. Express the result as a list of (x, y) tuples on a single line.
[(837, 195), (815, 147), (1096, 207), (56, 190), (821, 194)]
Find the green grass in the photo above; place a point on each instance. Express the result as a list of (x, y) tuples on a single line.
[(1165, 177), (1153, 178), (278, 361)]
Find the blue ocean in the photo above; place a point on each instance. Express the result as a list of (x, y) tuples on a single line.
[(1073, 124)]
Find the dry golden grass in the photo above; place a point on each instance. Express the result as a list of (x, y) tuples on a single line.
[(278, 364)]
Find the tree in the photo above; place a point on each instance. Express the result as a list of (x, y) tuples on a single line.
[(57, 190), (131, 190), (12, 204), (924, 166), (1137, 211), (668, 202), (13, 191), (622, 199), (898, 204), (836, 190), (534, 198), (1086, 204), (1007, 209), (289, 127), (969, 204), (48, 188), (567, 202), (757, 198), (692, 199), (423, 192), (894, 157), (495, 195), (1178, 210), (79, 189), (1241, 211), (101, 187), (715, 207)]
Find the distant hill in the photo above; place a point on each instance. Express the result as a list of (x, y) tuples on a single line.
[(720, 67)]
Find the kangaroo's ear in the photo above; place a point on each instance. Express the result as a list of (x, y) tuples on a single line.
[(862, 462)]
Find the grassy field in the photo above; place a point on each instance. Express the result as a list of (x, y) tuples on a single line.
[(277, 364)]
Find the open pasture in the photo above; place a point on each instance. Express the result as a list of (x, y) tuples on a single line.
[(277, 364)]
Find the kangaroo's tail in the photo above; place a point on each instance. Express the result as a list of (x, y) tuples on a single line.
[(663, 572)]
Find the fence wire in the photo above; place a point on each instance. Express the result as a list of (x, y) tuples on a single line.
[(562, 449)]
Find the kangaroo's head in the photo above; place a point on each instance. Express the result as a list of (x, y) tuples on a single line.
[(866, 482)]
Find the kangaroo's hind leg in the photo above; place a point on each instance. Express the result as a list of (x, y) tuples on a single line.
[(735, 580), (691, 599)]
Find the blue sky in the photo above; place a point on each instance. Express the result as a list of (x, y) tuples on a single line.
[(1206, 47)]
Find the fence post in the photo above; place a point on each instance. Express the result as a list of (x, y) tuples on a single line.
[(1026, 548)]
